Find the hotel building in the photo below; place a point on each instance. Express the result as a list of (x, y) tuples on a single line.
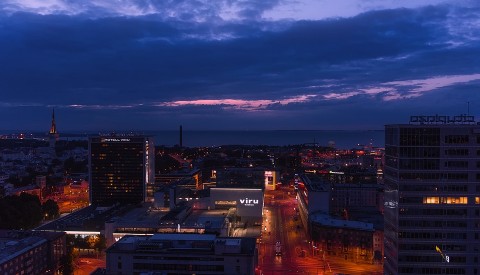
[(432, 196), (121, 169)]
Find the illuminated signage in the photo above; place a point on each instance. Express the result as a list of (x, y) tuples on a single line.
[(115, 139), (248, 202), (436, 119)]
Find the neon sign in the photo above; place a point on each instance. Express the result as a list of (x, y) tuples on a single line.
[(248, 202), (115, 139)]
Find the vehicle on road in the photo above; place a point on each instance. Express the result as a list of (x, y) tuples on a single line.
[(278, 249)]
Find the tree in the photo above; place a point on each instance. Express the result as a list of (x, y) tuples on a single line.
[(50, 209), (66, 262), (20, 212), (101, 243)]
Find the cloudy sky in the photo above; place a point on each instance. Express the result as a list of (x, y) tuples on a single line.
[(236, 64)]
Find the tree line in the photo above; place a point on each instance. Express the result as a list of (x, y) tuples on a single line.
[(25, 211)]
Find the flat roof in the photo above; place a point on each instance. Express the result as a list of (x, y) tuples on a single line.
[(315, 183), (183, 237), (327, 220), (15, 247)]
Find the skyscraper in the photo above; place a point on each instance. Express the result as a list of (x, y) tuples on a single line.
[(432, 196), (121, 169)]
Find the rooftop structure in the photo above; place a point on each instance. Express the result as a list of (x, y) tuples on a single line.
[(182, 254)]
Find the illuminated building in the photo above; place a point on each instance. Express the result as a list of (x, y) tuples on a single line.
[(313, 196), (271, 179), (247, 201), (432, 196), (240, 188), (121, 169)]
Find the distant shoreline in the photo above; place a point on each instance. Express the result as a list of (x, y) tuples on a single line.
[(342, 139)]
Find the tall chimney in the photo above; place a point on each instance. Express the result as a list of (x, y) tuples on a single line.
[(181, 137)]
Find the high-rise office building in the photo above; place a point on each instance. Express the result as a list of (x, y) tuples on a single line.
[(432, 196), (121, 169)]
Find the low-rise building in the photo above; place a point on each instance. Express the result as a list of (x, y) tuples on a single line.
[(31, 252), (182, 254)]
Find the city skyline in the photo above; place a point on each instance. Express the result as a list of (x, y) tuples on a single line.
[(236, 65)]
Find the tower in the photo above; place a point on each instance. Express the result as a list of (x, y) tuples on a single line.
[(121, 169), (53, 134), (53, 128), (181, 136), (432, 196)]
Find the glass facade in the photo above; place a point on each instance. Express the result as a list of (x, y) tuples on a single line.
[(121, 169), (431, 195)]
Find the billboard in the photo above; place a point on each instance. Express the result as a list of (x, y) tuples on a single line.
[(249, 202)]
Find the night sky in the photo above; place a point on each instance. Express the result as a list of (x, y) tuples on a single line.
[(236, 64)]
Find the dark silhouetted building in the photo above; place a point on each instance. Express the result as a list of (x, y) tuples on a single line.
[(121, 169), (432, 196), (182, 254), (31, 252)]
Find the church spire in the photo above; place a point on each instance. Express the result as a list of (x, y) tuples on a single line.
[(53, 128)]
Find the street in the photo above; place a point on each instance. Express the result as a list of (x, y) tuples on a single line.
[(281, 224)]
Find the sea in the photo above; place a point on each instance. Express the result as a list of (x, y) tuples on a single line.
[(340, 139)]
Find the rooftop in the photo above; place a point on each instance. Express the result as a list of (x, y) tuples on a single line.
[(327, 220), (184, 243)]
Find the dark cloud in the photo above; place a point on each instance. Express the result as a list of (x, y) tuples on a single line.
[(115, 70)]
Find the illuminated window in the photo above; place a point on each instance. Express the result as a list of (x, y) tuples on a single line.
[(431, 200), (447, 200), (454, 200), (477, 200)]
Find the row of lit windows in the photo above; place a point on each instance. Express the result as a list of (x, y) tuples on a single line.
[(447, 200)]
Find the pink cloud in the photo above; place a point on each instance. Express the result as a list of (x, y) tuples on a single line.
[(404, 89), (238, 104)]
